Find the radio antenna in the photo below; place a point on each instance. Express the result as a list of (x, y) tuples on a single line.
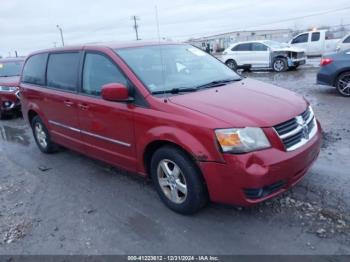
[(157, 21)]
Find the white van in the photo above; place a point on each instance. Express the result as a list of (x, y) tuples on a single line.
[(315, 43)]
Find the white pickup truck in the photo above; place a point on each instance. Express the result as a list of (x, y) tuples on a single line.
[(344, 43), (315, 43), (263, 54)]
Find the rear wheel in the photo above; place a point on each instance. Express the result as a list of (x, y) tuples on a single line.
[(231, 64), (280, 64), (178, 180), (42, 136), (343, 84)]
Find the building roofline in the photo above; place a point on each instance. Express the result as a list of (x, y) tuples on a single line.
[(239, 31)]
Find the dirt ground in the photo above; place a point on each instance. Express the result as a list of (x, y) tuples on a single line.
[(67, 203)]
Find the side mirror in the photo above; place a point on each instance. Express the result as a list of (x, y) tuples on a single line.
[(115, 92)]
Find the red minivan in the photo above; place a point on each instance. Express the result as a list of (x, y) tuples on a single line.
[(173, 113), (10, 70)]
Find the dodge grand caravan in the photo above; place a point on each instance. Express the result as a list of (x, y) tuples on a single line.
[(174, 113)]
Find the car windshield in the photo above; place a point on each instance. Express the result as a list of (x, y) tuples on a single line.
[(176, 67), (275, 44), (10, 68)]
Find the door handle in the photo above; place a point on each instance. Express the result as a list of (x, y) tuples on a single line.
[(83, 106), (68, 103)]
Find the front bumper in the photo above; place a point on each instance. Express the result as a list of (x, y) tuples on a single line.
[(9, 102), (296, 62), (251, 178)]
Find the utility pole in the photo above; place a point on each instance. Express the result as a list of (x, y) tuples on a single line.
[(136, 26), (61, 33)]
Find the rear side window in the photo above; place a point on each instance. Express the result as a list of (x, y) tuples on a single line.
[(259, 47), (98, 71), (62, 71), (34, 70), (347, 40), (300, 39), (242, 47), (315, 36)]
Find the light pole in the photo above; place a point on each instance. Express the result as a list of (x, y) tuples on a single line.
[(136, 26), (61, 33)]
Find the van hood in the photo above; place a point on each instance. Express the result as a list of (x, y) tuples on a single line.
[(247, 103), (9, 81)]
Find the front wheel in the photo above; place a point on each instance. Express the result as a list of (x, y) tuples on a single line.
[(42, 136), (280, 64), (178, 180), (343, 84)]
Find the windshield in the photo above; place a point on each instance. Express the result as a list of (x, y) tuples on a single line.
[(275, 44), (10, 68), (169, 67)]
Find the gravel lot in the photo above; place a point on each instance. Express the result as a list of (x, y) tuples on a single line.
[(67, 203)]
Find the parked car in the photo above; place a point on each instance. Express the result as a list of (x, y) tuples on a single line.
[(343, 44), (174, 113), (315, 43), (263, 54), (10, 70), (335, 71)]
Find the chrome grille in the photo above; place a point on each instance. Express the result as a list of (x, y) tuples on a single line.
[(297, 131)]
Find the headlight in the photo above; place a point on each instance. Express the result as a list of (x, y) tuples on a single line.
[(8, 88), (241, 140)]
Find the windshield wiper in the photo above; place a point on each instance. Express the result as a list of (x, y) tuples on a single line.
[(175, 90), (218, 83)]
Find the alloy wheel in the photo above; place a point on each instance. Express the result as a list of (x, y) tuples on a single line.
[(40, 135), (172, 181), (344, 85), (278, 65), (231, 64)]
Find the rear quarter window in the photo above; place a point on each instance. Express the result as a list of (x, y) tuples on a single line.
[(62, 70), (259, 47), (242, 47), (34, 70)]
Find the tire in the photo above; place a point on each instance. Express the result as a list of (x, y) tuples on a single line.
[(231, 64), (178, 181), (343, 84), (42, 136), (293, 68), (280, 64)]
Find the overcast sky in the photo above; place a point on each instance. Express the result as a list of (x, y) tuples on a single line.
[(28, 25)]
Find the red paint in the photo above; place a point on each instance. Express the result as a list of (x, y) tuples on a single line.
[(187, 120), (115, 92)]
